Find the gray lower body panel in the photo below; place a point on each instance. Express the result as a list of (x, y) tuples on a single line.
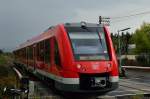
[(76, 88)]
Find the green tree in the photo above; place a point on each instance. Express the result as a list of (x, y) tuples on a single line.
[(141, 38), (115, 41), (1, 51), (125, 40)]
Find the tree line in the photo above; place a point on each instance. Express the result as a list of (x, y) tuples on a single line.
[(141, 38)]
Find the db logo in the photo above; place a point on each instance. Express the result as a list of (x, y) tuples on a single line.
[(95, 66)]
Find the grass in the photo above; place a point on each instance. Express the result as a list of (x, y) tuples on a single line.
[(7, 75), (3, 59)]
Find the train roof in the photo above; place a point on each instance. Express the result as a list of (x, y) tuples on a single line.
[(46, 34), (82, 23)]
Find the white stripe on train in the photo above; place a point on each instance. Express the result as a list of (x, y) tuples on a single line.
[(69, 80), (114, 78)]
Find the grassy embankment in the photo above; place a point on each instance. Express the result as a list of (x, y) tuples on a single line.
[(7, 75)]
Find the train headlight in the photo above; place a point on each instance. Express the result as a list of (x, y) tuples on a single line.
[(109, 65), (78, 66)]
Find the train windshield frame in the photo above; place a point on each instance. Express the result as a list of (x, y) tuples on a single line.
[(88, 43)]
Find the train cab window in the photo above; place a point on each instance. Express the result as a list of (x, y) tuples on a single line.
[(47, 51), (57, 55), (88, 43)]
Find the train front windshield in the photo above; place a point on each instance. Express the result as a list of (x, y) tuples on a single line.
[(88, 43)]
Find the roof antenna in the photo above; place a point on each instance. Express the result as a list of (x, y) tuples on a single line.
[(83, 24)]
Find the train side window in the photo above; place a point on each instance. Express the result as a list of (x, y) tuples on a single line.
[(47, 51), (23, 55), (38, 51), (41, 52), (30, 52), (57, 55)]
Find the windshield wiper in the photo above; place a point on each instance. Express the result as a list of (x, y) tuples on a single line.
[(100, 38)]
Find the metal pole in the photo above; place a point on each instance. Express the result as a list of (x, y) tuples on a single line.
[(100, 19), (119, 46), (119, 52)]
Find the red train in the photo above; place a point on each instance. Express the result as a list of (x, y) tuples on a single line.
[(74, 57)]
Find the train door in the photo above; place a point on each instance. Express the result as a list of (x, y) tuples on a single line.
[(47, 56), (30, 56), (39, 61), (57, 55)]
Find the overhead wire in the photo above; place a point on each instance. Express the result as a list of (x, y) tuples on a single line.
[(120, 18)]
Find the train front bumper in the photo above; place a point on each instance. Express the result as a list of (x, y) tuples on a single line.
[(89, 83), (76, 88)]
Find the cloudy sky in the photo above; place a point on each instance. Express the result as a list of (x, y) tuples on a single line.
[(23, 19)]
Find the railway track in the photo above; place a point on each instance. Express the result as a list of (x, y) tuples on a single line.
[(129, 88)]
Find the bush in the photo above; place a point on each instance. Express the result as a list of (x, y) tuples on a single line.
[(3, 71), (1, 51), (2, 59), (143, 59), (126, 62)]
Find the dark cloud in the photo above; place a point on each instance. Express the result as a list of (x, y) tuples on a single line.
[(23, 19)]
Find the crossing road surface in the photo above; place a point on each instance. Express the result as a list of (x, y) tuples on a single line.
[(138, 87), (129, 87)]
